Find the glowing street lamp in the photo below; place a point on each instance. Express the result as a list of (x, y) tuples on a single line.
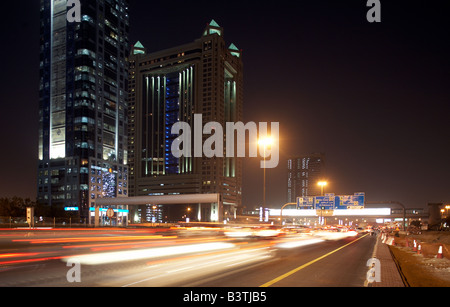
[(188, 215), (265, 141), (322, 184)]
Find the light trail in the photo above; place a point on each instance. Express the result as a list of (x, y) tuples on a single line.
[(298, 243), (18, 255), (193, 268), (112, 257), (115, 246), (31, 260), (91, 239)]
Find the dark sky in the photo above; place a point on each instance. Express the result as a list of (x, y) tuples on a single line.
[(374, 97)]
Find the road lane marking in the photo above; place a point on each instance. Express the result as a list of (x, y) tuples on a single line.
[(279, 278), (139, 281)]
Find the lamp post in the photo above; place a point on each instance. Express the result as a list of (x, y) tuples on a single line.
[(265, 142), (281, 212), (322, 184)]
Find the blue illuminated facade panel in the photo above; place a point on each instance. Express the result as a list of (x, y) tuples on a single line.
[(172, 113), (163, 106)]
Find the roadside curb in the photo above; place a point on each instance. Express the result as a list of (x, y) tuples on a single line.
[(390, 271)]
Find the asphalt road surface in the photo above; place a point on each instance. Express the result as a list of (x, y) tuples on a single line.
[(164, 258)]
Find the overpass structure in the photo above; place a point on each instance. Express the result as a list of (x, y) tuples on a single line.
[(214, 200), (371, 214)]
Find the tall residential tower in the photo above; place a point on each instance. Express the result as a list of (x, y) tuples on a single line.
[(304, 172), (83, 105), (203, 77)]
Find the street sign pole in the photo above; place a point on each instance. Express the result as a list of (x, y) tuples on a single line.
[(97, 217), (281, 212), (110, 215), (30, 216)]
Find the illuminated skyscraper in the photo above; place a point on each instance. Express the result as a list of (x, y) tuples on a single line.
[(203, 77), (83, 104), (304, 172)]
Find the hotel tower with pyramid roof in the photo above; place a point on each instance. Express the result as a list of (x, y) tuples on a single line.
[(202, 77)]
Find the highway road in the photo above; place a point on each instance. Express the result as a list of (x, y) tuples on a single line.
[(168, 258)]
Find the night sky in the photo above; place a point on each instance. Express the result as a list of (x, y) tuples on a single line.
[(374, 97)]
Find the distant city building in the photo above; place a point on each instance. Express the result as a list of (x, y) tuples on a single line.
[(304, 172), (203, 77), (83, 105)]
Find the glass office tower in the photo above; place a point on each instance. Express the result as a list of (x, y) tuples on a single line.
[(83, 105)]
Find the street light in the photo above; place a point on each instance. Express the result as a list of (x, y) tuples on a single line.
[(265, 142), (189, 213), (322, 184)]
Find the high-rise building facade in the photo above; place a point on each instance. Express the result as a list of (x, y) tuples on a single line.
[(304, 172), (203, 77), (83, 105)]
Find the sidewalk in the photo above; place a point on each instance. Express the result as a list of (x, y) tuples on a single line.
[(390, 276)]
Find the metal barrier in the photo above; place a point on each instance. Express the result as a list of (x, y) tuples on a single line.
[(55, 222)]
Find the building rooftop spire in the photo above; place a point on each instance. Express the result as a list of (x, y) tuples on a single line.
[(213, 23), (212, 28), (138, 48)]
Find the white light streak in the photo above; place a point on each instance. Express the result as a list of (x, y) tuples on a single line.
[(298, 243), (111, 257)]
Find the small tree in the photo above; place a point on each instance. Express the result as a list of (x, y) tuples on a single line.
[(15, 206)]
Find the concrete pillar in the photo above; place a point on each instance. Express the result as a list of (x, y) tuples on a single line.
[(97, 216), (434, 211)]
